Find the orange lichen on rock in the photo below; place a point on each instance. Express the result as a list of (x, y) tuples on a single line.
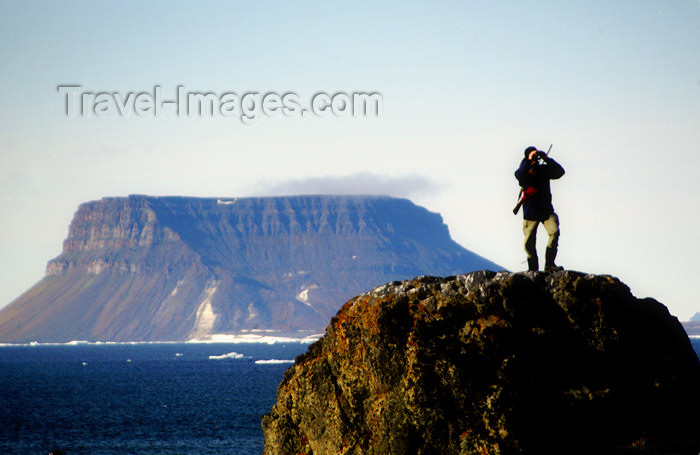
[(497, 363)]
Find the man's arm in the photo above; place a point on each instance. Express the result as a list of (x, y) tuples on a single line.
[(522, 172), (554, 169)]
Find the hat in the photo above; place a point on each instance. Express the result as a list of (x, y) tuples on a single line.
[(528, 150)]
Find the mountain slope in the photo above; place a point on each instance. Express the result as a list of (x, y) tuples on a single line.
[(176, 268)]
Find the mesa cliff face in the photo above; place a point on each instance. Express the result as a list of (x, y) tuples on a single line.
[(176, 268), (487, 363)]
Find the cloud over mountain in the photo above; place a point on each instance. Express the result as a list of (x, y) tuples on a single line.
[(359, 183)]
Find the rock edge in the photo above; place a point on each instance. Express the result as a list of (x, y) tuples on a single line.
[(493, 363)]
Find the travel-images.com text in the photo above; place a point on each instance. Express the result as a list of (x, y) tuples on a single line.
[(78, 102)]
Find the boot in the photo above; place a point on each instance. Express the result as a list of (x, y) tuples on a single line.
[(533, 263), (549, 265)]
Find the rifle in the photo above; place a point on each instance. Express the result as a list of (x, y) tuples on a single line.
[(522, 196), (521, 199)]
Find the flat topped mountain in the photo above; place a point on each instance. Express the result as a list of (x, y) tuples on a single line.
[(493, 363), (176, 268)]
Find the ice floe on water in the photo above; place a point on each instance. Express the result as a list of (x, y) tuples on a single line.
[(262, 337), (236, 355), (252, 336), (273, 361), (230, 355), (87, 343)]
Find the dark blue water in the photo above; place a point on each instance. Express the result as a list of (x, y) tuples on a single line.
[(166, 399), (137, 399)]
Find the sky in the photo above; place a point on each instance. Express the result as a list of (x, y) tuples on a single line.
[(465, 87)]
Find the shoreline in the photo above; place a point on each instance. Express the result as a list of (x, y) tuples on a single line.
[(246, 337)]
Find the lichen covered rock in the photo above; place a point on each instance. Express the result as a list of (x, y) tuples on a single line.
[(493, 363)]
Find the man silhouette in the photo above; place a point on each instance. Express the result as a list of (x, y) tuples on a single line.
[(534, 174)]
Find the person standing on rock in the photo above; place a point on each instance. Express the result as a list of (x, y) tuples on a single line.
[(534, 174)]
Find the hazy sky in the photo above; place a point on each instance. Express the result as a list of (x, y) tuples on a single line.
[(466, 87)]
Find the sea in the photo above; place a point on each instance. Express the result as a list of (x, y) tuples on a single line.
[(141, 399)]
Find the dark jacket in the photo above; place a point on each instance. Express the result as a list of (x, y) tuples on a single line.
[(535, 180)]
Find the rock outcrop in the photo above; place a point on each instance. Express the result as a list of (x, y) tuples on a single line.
[(143, 268), (493, 363)]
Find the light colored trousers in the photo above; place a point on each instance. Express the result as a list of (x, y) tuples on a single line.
[(551, 224)]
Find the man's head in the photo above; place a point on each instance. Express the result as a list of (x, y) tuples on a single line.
[(531, 153)]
